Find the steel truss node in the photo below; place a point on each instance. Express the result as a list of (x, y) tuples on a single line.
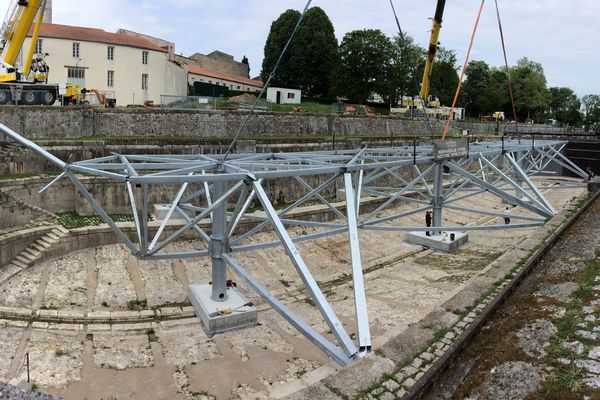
[(223, 191)]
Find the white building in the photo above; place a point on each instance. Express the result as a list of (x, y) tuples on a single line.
[(232, 82), (284, 96), (135, 69)]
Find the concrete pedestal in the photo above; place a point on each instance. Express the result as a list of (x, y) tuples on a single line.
[(438, 242), (218, 317)]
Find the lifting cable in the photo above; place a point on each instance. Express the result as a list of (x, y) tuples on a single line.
[(266, 85), (462, 74), (512, 99), (413, 72)]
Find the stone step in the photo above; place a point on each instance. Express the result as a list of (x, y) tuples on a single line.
[(19, 264), (28, 256), (52, 236), (34, 253), (45, 240), (61, 231), (12, 269), (43, 244), (22, 259), (37, 247)]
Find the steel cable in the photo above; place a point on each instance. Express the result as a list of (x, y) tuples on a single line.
[(269, 79)]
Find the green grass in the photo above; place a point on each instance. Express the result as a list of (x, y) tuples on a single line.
[(25, 176), (567, 378), (72, 220), (564, 379), (307, 106)]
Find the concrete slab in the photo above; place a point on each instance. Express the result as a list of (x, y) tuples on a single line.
[(442, 242), (218, 317)]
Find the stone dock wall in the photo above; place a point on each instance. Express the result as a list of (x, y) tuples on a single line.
[(61, 122)]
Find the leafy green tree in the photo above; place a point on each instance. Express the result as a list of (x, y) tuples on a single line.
[(281, 30), (366, 57), (444, 78), (529, 86), (476, 87), (309, 60), (245, 61), (403, 77), (591, 110), (564, 106)]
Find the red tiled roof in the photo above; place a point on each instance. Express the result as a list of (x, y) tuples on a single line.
[(194, 69), (95, 35)]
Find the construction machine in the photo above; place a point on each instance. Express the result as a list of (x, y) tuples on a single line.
[(431, 103), (27, 84)]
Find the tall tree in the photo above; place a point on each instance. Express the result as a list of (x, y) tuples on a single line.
[(476, 87), (565, 106), (591, 110), (365, 60), (403, 76), (315, 52), (309, 60), (529, 84), (281, 30), (245, 61), (444, 78)]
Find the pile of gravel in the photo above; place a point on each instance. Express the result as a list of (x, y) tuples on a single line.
[(10, 392)]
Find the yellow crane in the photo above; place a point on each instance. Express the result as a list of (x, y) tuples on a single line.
[(432, 103), (27, 83)]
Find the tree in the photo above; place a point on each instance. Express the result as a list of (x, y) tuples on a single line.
[(365, 60), (309, 60), (315, 52), (475, 89), (444, 78), (245, 61), (565, 106), (529, 85), (281, 30), (403, 78), (591, 110)]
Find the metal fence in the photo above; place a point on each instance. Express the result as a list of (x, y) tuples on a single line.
[(212, 103)]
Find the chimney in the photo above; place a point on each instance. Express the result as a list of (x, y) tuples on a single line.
[(48, 13)]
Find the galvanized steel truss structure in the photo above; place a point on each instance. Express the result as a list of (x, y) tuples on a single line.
[(225, 187)]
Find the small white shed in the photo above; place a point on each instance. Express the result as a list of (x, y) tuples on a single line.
[(284, 96)]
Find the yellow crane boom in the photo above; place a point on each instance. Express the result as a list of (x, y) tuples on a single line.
[(27, 85), (433, 46)]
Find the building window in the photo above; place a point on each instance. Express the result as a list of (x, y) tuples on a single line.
[(75, 50), (144, 81), (291, 95), (144, 57), (38, 46), (76, 73), (238, 88), (110, 79), (110, 53)]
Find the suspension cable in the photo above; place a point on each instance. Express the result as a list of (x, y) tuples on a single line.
[(271, 76), (413, 73), (462, 73), (510, 91)]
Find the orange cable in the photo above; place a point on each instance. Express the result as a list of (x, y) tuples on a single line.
[(462, 74)]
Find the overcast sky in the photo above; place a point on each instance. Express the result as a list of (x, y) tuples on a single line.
[(562, 35)]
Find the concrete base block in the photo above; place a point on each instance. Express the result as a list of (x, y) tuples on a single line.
[(218, 317), (440, 242)]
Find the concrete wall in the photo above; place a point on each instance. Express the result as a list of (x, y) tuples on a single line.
[(54, 122)]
